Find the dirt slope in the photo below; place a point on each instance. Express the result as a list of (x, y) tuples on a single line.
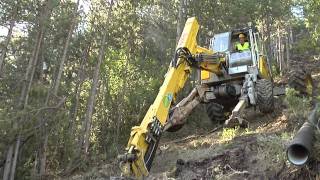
[(255, 152)]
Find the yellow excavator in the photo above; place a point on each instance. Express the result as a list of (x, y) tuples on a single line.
[(230, 81)]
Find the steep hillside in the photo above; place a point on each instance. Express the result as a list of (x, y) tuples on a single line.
[(256, 152)]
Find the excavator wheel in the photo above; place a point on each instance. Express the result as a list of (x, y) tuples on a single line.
[(301, 81), (215, 112), (265, 101)]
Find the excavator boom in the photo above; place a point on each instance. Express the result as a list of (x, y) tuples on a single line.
[(144, 138)]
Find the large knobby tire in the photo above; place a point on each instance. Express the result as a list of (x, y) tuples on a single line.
[(215, 112), (301, 81), (265, 101)]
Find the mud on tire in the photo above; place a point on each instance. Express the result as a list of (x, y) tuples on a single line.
[(265, 101), (215, 112)]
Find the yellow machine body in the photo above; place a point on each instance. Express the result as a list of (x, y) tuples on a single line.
[(174, 81), (264, 68)]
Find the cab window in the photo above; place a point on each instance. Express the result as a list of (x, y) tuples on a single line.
[(220, 42)]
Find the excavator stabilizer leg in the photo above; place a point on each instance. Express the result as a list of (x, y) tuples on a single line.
[(235, 118)]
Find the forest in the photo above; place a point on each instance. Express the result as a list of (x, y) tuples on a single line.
[(77, 75)]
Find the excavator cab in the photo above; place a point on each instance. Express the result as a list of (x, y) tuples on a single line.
[(239, 72), (237, 62)]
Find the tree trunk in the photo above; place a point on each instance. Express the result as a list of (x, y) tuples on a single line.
[(65, 50), (15, 158), (6, 44), (120, 106), (290, 43), (269, 46), (43, 148), (23, 99), (45, 11), (34, 66), (34, 171), (43, 155), (279, 51), (180, 20), (75, 105), (7, 166), (86, 126), (291, 40), (80, 73), (44, 135), (25, 94), (28, 71), (91, 100), (288, 51), (282, 54)]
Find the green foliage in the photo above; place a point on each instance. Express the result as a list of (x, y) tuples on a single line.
[(307, 27), (298, 106), (275, 69), (306, 43), (229, 133), (311, 9), (304, 46), (271, 149)]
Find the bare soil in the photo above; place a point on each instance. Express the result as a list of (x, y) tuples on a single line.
[(259, 154)]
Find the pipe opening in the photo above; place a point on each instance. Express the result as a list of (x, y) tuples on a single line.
[(297, 154)]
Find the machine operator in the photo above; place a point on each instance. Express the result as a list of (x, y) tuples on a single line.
[(242, 45)]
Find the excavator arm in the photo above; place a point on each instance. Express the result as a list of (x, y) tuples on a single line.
[(144, 138)]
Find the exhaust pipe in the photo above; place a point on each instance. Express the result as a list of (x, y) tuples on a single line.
[(299, 150)]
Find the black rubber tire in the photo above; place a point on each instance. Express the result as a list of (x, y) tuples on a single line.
[(297, 80), (215, 112), (265, 101)]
